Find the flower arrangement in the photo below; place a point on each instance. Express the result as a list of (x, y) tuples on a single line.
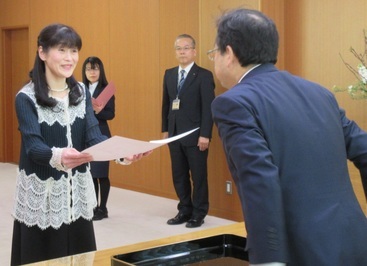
[(359, 89)]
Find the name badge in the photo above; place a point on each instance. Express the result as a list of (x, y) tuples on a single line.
[(176, 104)]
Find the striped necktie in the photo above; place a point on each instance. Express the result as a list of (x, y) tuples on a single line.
[(182, 79)]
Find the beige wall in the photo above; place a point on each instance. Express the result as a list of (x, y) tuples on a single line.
[(134, 38)]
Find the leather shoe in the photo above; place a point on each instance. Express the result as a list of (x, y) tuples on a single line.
[(192, 223), (179, 219), (100, 214)]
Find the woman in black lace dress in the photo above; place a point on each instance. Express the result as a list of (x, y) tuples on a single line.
[(55, 195)]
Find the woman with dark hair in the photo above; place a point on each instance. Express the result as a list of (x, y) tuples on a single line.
[(94, 79), (55, 196)]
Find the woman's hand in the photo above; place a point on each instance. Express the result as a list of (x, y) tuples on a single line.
[(137, 157), (71, 158), (130, 159), (97, 107)]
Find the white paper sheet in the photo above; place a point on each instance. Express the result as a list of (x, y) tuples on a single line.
[(118, 147)]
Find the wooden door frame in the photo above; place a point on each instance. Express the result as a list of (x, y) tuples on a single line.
[(7, 102), (7, 81)]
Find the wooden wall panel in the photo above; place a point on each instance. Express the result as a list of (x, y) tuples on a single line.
[(221, 203), (88, 18), (41, 14), (276, 11), (134, 49), (91, 19), (316, 33), (14, 13)]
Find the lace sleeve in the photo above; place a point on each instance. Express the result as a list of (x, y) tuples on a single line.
[(55, 161)]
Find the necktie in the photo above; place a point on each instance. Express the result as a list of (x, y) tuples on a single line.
[(182, 79)]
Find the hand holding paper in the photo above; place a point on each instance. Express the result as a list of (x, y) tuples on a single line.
[(139, 156), (96, 106), (71, 158)]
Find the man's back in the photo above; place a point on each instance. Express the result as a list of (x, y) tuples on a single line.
[(293, 165)]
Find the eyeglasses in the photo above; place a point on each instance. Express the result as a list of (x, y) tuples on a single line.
[(92, 69), (185, 49), (211, 53)]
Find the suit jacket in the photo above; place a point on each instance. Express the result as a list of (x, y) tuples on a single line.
[(287, 143), (101, 169), (196, 96), (107, 113)]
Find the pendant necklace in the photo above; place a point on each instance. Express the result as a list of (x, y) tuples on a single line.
[(59, 90)]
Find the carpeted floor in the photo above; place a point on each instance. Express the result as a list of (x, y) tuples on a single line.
[(133, 217)]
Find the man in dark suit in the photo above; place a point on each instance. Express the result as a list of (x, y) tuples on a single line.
[(287, 143), (188, 91)]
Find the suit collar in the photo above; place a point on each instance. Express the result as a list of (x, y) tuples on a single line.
[(268, 67), (187, 68), (248, 71), (189, 77)]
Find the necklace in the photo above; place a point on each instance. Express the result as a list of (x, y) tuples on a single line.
[(59, 90)]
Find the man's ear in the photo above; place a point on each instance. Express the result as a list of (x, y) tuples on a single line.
[(230, 56), (41, 53), (230, 52)]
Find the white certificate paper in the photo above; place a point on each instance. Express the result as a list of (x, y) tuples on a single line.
[(118, 147)]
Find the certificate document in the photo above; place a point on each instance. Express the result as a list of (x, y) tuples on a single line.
[(106, 94), (118, 147)]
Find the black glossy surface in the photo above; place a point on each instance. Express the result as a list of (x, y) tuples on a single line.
[(188, 253)]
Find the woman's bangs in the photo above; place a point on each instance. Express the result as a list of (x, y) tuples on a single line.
[(66, 38)]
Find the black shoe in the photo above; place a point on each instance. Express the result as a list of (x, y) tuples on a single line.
[(179, 219), (100, 214), (192, 223)]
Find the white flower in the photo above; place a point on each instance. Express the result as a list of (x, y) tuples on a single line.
[(359, 89), (362, 73)]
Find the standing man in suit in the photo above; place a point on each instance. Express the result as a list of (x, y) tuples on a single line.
[(188, 91), (287, 143)]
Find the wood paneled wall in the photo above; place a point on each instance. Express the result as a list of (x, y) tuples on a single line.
[(317, 32), (134, 38)]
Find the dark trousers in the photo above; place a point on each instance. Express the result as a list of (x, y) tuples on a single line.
[(186, 160)]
